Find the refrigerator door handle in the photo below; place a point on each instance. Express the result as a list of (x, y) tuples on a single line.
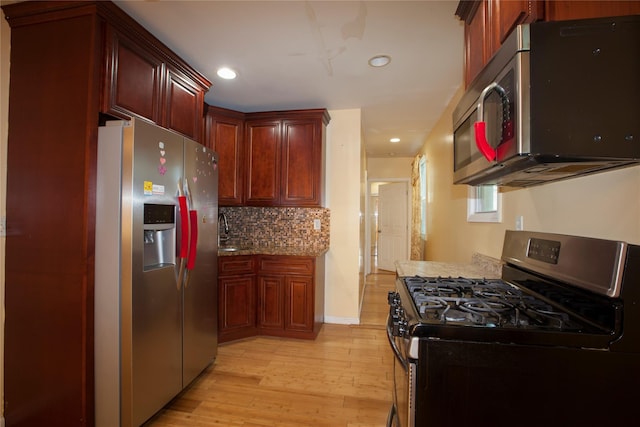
[(193, 243), (184, 236), (193, 235), (184, 223)]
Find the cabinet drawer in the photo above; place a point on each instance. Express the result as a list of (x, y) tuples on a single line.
[(287, 265), (237, 264)]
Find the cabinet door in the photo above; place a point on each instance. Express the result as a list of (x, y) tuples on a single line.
[(299, 303), (476, 42), (225, 137), (133, 79), (263, 163), (301, 163), (237, 309), (487, 25), (271, 302), (184, 105), (507, 14)]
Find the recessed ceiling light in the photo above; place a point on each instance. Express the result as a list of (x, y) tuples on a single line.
[(226, 73), (379, 60), (394, 140)]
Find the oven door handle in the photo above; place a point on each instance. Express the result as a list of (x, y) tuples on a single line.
[(394, 346)]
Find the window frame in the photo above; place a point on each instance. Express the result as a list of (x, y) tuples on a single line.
[(422, 174), (472, 202)]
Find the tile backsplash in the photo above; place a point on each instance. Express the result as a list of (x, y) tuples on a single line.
[(277, 227)]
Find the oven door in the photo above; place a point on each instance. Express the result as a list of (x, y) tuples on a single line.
[(402, 412)]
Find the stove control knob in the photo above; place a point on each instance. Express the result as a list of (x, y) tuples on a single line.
[(402, 327), (396, 329), (393, 298)]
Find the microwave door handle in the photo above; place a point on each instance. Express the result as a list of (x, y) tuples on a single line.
[(480, 126), (481, 141)]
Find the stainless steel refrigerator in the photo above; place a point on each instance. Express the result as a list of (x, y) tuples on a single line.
[(155, 269)]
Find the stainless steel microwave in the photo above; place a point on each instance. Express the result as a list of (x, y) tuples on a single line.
[(557, 100)]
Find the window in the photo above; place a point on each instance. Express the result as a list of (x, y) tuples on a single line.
[(484, 204), (423, 197)]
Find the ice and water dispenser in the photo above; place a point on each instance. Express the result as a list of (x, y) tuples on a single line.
[(159, 236)]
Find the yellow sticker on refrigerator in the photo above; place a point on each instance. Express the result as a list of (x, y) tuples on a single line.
[(151, 189)]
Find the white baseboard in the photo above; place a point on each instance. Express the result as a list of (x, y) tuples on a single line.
[(342, 320)]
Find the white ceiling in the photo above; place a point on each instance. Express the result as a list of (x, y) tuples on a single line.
[(313, 54)]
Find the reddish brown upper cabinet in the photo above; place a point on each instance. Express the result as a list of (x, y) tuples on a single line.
[(70, 61), (269, 158), (133, 78), (263, 152), (476, 47), (506, 15), (489, 22), (579, 9), (285, 162), (302, 162), (145, 79), (225, 129), (183, 106)]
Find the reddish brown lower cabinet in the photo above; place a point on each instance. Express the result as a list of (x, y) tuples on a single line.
[(236, 297), (271, 299), (298, 303), (270, 295), (290, 295)]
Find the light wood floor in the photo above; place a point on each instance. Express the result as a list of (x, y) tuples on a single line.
[(341, 379)]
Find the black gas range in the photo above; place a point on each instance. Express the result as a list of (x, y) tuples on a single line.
[(554, 341)]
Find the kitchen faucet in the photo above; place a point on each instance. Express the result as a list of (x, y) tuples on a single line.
[(222, 218)]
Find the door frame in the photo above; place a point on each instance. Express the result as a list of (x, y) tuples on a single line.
[(367, 216)]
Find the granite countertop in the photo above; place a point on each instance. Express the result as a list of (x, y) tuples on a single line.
[(311, 251), (481, 266)]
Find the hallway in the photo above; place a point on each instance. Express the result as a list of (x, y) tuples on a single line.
[(341, 379)]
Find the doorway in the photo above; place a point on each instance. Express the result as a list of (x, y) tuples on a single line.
[(372, 224)]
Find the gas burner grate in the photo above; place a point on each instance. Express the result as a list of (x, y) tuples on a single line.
[(481, 302)]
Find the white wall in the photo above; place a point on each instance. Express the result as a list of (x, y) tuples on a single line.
[(343, 187), (395, 167)]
